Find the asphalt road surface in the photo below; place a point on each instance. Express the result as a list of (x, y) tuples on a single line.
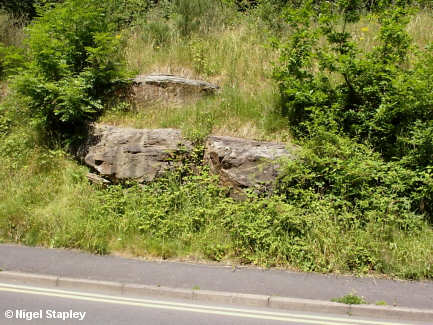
[(31, 305), (73, 264)]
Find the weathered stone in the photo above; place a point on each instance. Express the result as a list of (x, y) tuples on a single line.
[(152, 88), (96, 179), (140, 154), (243, 163)]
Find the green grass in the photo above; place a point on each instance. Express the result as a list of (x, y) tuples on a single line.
[(229, 112)]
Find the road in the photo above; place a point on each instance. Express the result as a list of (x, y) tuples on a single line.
[(73, 264), (35, 305)]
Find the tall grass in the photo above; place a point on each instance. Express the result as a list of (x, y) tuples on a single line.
[(235, 55), (11, 30)]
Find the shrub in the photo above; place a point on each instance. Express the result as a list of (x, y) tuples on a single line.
[(75, 62), (354, 179), (377, 97), (383, 98), (123, 13)]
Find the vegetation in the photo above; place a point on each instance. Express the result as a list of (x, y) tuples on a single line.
[(73, 65), (350, 299), (349, 83)]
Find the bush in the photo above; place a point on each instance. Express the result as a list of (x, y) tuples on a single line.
[(123, 13), (75, 62), (382, 99), (354, 179), (11, 60), (379, 97)]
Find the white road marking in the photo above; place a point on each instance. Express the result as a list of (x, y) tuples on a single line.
[(227, 311)]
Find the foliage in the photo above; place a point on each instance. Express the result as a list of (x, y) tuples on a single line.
[(11, 60), (75, 62), (382, 98), (356, 181), (379, 97), (123, 13), (350, 299), (26, 9), (187, 213)]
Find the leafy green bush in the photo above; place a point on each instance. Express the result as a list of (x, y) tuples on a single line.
[(379, 96), (383, 98), (123, 13), (75, 62), (355, 180)]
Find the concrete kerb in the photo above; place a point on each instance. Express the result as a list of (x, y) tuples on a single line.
[(400, 313), (293, 304), (29, 278), (90, 285)]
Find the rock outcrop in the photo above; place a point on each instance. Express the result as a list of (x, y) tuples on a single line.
[(143, 154), (162, 87), (140, 154), (243, 163)]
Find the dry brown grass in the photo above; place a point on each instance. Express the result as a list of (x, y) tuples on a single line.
[(11, 30), (236, 59)]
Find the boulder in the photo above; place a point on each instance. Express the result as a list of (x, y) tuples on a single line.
[(243, 163), (140, 154), (171, 88)]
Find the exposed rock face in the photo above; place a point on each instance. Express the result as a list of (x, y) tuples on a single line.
[(140, 154), (151, 88), (244, 163), (143, 154)]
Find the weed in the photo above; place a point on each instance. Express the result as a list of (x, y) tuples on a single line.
[(350, 299)]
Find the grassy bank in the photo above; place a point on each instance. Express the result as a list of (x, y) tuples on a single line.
[(47, 201), (355, 215)]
